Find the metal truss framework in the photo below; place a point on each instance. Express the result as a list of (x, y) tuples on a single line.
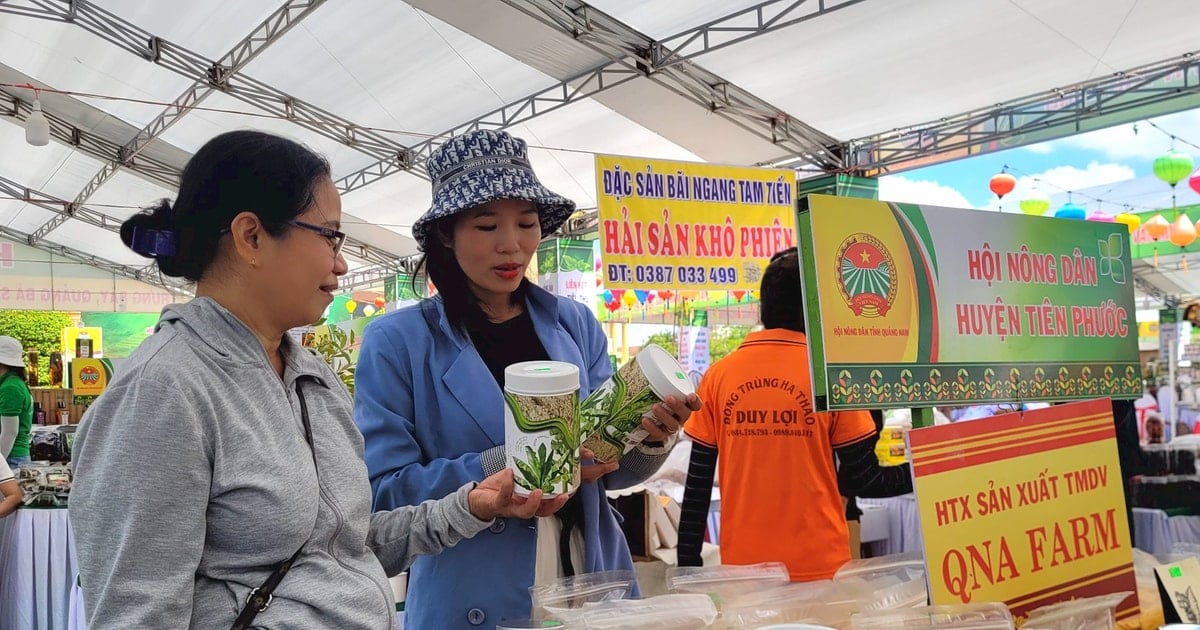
[(62, 207), (143, 274), (1135, 94), (635, 56), (159, 172), (184, 62), (625, 45), (1152, 290), (268, 32), (1111, 99), (103, 149), (374, 275)]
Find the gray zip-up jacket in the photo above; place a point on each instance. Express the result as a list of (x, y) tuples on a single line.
[(193, 480)]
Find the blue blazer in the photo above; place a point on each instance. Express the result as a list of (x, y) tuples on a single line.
[(428, 407)]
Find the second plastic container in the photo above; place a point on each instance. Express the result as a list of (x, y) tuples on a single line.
[(611, 417)]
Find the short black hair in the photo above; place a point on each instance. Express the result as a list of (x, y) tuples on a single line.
[(782, 303), (235, 172)]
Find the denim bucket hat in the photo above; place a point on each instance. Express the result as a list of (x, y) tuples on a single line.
[(481, 166)]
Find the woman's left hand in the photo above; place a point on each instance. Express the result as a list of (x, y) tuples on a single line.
[(668, 417)]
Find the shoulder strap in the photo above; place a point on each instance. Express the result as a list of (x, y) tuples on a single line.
[(260, 598)]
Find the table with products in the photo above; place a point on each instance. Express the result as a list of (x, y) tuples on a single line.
[(38, 571)]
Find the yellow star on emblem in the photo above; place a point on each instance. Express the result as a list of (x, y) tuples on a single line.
[(865, 256)]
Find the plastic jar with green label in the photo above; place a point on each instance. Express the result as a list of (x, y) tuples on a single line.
[(611, 417), (541, 426)]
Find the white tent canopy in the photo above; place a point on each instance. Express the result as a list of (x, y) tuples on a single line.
[(397, 77)]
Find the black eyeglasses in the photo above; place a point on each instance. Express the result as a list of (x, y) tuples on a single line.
[(336, 238)]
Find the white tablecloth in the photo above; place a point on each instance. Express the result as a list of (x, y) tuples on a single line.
[(1153, 531), (1156, 533), (38, 572), (903, 525)]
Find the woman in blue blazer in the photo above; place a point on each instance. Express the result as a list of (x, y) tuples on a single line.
[(428, 390)]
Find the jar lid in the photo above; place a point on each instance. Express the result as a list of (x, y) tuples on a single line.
[(663, 372), (541, 378)]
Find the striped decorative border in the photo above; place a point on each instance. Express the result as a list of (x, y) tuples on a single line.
[(884, 386)]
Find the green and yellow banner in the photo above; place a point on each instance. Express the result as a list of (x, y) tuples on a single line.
[(914, 305)]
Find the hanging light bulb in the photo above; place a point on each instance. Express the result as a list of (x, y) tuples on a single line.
[(37, 128)]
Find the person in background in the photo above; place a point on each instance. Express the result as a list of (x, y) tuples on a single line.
[(1131, 457), (853, 512), (428, 389), (10, 492), (16, 404), (781, 498), (1155, 429), (1168, 401), (219, 480)]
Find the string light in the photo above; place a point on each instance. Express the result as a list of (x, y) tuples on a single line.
[(1128, 207)]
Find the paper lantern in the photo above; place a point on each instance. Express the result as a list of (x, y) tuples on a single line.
[(754, 294), (1129, 220), (629, 299), (1173, 166), (1002, 183), (1157, 227), (1070, 211), (665, 295), (1194, 181), (738, 295), (1036, 203), (351, 306), (368, 310), (1101, 217), (607, 296), (380, 302), (640, 295), (612, 306), (617, 294), (1182, 232)]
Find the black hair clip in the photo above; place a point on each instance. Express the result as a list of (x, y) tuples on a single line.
[(153, 243)]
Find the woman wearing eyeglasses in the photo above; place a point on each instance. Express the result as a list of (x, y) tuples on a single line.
[(219, 481)]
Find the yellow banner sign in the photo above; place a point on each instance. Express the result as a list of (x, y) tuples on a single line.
[(1026, 509), (685, 225)]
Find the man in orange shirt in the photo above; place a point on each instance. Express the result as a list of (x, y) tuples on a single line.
[(780, 499)]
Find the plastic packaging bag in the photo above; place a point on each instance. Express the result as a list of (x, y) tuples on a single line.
[(821, 602), (895, 581), (664, 612), (727, 583), (557, 599), (989, 616), (1092, 613)]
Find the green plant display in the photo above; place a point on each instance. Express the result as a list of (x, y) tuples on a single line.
[(36, 330), (548, 260), (335, 349)]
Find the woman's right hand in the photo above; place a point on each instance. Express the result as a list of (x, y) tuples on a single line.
[(495, 497)]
